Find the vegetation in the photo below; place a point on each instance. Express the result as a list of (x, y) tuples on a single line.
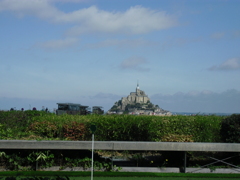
[(40, 125), (138, 106), (230, 129), (28, 160)]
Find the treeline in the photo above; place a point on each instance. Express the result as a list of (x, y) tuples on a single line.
[(39, 125)]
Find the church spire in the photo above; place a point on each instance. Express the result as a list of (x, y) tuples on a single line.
[(137, 85)]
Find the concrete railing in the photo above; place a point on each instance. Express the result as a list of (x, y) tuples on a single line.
[(123, 145), (120, 145)]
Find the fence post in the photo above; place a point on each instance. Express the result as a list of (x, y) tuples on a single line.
[(185, 162)]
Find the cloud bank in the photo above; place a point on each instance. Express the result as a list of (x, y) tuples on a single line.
[(58, 44), (195, 101), (218, 35), (135, 20), (230, 64), (134, 63)]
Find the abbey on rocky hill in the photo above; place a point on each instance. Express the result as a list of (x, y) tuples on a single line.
[(137, 103)]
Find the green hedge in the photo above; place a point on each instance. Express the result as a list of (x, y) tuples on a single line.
[(41, 125), (158, 128), (230, 129)]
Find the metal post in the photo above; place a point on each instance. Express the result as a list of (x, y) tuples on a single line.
[(92, 156), (185, 162), (93, 129)]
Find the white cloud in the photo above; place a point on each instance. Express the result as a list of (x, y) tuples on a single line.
[(39, 8), (122, 43), (193, 93), (218, 35), (68, 1), (230, 64), (105, 96), (134, 63), (236, 34), (136, 20), (58, 44)]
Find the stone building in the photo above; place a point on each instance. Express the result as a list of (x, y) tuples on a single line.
[(135, 97), (137, 103)]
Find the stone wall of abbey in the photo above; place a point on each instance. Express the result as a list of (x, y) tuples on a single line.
[(137, 103), (135, 97)]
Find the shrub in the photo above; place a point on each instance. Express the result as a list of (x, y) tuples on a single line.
[(31, 124), (197, 128), (177, 138), (230, 129), (74, 131), (19, 119), (122, 128), (44, 129)]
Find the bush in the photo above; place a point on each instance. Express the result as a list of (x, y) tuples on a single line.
[(41, 125), (177, 138), (44, 129), (186, 128), (74, 131), (123, 128), (19, 120), (230, 129)]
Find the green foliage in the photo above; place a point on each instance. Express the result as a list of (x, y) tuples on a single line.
[(16, 119), (155, 128), (40, 125), (24, 160), (42, 159), (44, 128), (131, 106), (102, 165), (122, 128), (14, 123), (114, 108), (197, 128), (5, 133), (74, 131), (150, 105), (13, 161), (34, 160), (230, 129), (75, 162), (37, 178)]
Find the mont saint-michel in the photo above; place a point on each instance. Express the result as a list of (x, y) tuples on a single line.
[(137, 103)]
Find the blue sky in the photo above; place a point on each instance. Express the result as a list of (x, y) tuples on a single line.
[(185, 54)]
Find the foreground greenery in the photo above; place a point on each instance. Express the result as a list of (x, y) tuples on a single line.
[(40, 125)]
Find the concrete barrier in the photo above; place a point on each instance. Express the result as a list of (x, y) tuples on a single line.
[(123, 145), (120, 145)]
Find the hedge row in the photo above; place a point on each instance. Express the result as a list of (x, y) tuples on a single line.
[(41, 125)]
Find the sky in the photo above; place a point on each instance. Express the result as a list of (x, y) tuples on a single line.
[(185, 54)]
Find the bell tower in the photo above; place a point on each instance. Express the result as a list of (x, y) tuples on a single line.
[(137, 89)]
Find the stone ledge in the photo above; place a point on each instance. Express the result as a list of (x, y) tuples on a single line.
[(120, 145)]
